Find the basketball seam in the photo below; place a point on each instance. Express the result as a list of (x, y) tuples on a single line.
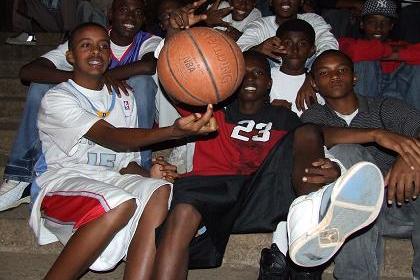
[(205, 64), (178, 82), (236, 61)]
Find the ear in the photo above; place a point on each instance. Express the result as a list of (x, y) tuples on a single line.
[(355, 79), (270, 84), (313, 84), (301, 3), (361, 25), (270, 3), (69, 57)]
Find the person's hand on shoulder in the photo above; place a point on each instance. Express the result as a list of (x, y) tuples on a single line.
[(403, 183), (118, 86), (282, 103), (322, 171), (195, 124)]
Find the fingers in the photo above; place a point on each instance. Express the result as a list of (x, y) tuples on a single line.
[(416, 190), (215, 5), (224, 12)]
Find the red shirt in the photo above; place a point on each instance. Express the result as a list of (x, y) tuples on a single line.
[(369, 50)]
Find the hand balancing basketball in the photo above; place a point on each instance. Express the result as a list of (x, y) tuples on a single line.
[(200, 66)]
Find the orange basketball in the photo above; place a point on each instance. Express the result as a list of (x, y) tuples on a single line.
[(200, 66)]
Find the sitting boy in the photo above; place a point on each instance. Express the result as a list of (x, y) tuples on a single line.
[(241, 181), (95, 197), (132, 60), (385, 128), (385, 67)]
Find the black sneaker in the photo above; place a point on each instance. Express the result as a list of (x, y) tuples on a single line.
[(304, 273), (273, 264)]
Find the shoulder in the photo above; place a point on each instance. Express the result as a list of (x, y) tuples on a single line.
[(283, 117), (317, 113), (312, 18)]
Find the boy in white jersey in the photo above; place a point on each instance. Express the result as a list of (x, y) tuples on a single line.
[(95, 197)]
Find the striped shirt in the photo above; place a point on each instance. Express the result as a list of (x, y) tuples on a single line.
[(386, 113)]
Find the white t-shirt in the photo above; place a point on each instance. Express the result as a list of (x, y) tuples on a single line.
[(286, 87), (239, 25), (261, 29), (58, 55), (347, 118), (66, 115)]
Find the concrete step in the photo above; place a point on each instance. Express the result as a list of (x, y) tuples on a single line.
[(11, 106), (243, 251), (12, 87), (22, 53), (10, 69)]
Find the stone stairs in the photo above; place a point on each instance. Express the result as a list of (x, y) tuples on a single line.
[(22, 258)]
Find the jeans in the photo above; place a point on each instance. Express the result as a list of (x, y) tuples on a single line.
[(362, 254), (26, 149), (403, 83)]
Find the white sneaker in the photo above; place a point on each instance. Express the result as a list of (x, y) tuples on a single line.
[(22, 39), (12, 194), (319, 223)]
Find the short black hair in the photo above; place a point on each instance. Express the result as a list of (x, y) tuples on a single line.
[(297, 25), (115, 3), (334, 52), (80, 27), (263, 58)]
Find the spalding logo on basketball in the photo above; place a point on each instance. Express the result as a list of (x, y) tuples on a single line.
[(200, 66)]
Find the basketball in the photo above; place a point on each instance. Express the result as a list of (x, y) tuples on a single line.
[(200, 66)]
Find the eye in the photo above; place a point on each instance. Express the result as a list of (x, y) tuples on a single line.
[(85, 45), (322, 73), (123, 10), (342, 70), (104, 46), (139, 13)]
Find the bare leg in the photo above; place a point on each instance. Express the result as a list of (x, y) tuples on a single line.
[(142, 250), (89, 241), (308, 146), (172, 255)]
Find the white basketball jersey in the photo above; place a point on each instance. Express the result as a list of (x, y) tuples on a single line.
[(67, 113)]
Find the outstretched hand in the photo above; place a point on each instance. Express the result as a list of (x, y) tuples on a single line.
[(185, 17), (215, 15), (195, 124), (272, 47), (322, 171)]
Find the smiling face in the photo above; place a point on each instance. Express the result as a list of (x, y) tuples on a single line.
[(241, 8), (89, 52), (333, 76), (127, 17), (286, 9), (257, 81), (377, 27)]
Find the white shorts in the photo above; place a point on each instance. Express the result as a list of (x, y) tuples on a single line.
[(69, 203)]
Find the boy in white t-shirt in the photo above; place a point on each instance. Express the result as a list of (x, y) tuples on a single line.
[(133, 63), (95, 197), (232, 16), (298, 37)]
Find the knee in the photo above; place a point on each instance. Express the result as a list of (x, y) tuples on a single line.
[(185, 213), (120, 215), (309, 132), (161, 196)]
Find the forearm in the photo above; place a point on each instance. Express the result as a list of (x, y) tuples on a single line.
[(128, 139), (146, 66), (42, 71), (134, 168), (339, 135)]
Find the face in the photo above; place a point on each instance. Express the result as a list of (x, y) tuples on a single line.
[(299, 49), (286, 8), (377, 27), (127, 17), (90, 52), (165, 9), (333, 76), (241, 8), (257, 81)]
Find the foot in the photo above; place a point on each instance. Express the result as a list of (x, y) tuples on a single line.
[(273, 264), (23, 38), (13, 193), (319, 223)]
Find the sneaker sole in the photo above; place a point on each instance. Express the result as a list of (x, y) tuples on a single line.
[(348, 212)]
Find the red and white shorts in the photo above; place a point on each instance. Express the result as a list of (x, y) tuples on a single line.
[(67, 204)]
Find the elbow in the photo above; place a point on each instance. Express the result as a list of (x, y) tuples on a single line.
[(24, 73)]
